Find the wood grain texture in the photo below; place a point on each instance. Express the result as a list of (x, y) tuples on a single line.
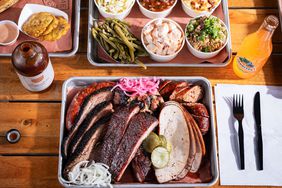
[(11, 88), (29, 172), (253, 3), (246, 21), (38, 123)]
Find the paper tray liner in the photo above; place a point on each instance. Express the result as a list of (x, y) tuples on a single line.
[(137, 21), (13, 14)]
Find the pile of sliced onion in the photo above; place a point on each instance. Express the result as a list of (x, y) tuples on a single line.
[(138, 86), (90, 174)]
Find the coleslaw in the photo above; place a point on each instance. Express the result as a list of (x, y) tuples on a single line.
[(114, 6)]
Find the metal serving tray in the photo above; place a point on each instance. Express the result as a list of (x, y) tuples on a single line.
[(280, 12), (94, 59), (75, 35), (78, 82)]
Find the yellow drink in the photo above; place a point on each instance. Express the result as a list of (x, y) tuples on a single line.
[(255, 49)]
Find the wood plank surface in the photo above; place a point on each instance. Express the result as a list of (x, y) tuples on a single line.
[(29, 171), (38, 123), (252, 3), (39, 172), (246, 21), (11, 88), (32, 162)]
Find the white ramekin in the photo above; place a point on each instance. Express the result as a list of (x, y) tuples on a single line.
[(120, 16), (205, 55), (194, 13), (15, 26), (152, 14), (162, 58)]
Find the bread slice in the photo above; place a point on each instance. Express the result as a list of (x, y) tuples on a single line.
[(5, 4)]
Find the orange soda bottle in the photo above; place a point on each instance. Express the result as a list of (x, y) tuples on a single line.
[(255, 49)]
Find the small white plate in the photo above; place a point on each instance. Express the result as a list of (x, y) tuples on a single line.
[(30, 9)]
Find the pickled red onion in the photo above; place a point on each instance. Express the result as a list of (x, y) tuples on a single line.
[(138, 86)]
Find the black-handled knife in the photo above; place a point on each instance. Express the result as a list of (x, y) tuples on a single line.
[(258, 126)]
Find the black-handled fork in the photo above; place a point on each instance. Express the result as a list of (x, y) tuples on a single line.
[(238, 112)]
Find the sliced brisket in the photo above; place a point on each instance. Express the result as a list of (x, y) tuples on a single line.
[(138, 129), (141, 165), (116, 129), (85, 147), (101, 110), (78, 99), (88, 104)]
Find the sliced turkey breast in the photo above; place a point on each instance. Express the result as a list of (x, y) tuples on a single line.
[(172, 124)]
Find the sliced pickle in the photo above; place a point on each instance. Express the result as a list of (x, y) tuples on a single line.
[(151, 142), (160, 157), (163, 141)]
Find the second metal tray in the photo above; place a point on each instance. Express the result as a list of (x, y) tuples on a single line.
[(75, 34), (80, 82), (92, 46)]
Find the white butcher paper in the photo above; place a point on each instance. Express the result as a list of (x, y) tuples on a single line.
[(227, 127)]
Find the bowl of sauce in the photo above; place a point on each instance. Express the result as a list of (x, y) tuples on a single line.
[(9, 32), (156, 8)]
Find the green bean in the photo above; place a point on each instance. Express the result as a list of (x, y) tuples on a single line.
[(122, 27), (140, 63), (116, 55), (119, 43), (127, 43), (107, 40)]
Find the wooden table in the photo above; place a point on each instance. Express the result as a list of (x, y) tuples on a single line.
[(33, 161)]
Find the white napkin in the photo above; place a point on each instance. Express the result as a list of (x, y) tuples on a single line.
[(228, 144)]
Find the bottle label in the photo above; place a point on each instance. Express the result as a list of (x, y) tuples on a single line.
[(245, 65), (38, 82)]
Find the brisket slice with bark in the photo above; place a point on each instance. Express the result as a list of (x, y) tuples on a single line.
[(89, 103), (138, 129), (85, 147), (101, 110), (141, 165), (78, 99), (116, 129)]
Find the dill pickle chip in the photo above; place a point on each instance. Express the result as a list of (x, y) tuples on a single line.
[(151, 142), (160, 157)]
